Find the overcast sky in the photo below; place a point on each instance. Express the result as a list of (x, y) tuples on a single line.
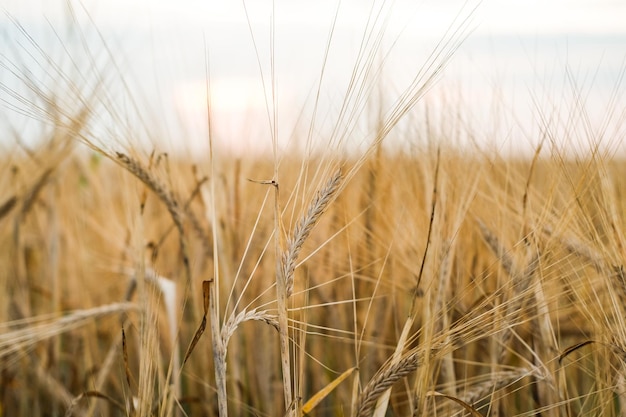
[(501, 16), (521, 48)]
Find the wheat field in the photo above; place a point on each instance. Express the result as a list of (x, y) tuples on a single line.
[(430, 280)]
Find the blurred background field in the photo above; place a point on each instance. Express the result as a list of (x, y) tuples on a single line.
[(77, 229)]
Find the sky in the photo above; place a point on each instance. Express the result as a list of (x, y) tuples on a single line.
[(522, 61)]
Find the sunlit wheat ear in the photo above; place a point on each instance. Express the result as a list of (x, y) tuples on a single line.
[(303, 228)]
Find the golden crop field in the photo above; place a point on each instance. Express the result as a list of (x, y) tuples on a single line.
[(435, 280)]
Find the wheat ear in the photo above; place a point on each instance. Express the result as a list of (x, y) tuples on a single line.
[(521, 280), (385, 380), (498, 381), (166, 196), (303, 228)]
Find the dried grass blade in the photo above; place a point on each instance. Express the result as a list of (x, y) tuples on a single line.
[(95, 394), (459, 401), (202, 327), (574, 348), (206, 295), (7, 206), (129, 376), (324, 392), (31, 197)]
